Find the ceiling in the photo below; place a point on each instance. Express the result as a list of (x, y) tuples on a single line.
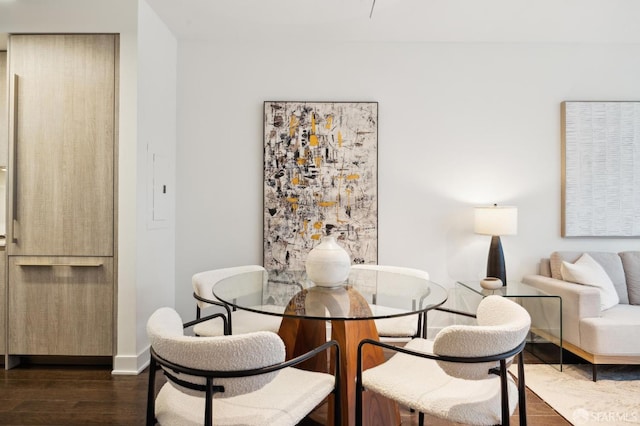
[(275, 21)]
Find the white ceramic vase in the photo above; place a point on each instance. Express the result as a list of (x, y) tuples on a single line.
[(328, 264), (491, 283)]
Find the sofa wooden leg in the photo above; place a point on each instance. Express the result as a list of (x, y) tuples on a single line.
[(594, 373)]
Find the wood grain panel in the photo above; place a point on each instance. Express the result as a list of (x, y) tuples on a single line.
[(62, 144), (60, 310), (4, 114)]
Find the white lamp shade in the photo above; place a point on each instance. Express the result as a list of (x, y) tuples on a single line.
[(496, 220)]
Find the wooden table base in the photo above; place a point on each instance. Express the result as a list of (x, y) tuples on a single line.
[(302, 335)]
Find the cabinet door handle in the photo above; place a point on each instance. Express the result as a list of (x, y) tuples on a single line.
[(95, 264), (14, 165)]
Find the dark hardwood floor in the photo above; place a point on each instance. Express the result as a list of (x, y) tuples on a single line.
[(68, 395), (89, 395)]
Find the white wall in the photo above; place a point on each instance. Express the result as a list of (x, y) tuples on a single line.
[(126, 348), (460, 124), (155, 248)]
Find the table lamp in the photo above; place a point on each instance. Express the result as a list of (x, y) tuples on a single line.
[(496, 221)]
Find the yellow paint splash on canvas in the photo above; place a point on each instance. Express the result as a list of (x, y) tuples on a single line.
[(293, 125), (313, 138)]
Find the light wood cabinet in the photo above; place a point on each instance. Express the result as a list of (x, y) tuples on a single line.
[(60, 305), (62, 146), (61, 172), (4, 115)]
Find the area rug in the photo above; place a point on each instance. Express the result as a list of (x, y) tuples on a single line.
[(613, 400)]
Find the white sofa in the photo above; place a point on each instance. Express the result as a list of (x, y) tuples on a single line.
[(599, 334)]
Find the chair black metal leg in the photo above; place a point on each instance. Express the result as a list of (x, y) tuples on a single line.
[(424, 325), (359, 385), (229, 329), (359, 394), (208, 403), (522, 396), (151, 394), (420, 419), (419, 326), (504, 392)]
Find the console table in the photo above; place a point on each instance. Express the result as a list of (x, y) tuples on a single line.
[(545, 311)]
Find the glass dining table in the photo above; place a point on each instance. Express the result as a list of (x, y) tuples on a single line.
[(351, 309)]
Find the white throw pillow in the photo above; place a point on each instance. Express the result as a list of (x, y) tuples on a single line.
[(587, 271)]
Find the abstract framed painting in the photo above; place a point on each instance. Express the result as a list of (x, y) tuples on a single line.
[(320, 178)]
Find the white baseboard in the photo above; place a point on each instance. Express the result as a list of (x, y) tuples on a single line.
[(130, 365)]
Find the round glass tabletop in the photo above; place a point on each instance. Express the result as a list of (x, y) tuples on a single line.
[(366, 294)]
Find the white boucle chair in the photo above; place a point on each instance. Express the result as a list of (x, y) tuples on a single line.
[(461, 375), (402, 328), (231, 380), (239, 321)]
